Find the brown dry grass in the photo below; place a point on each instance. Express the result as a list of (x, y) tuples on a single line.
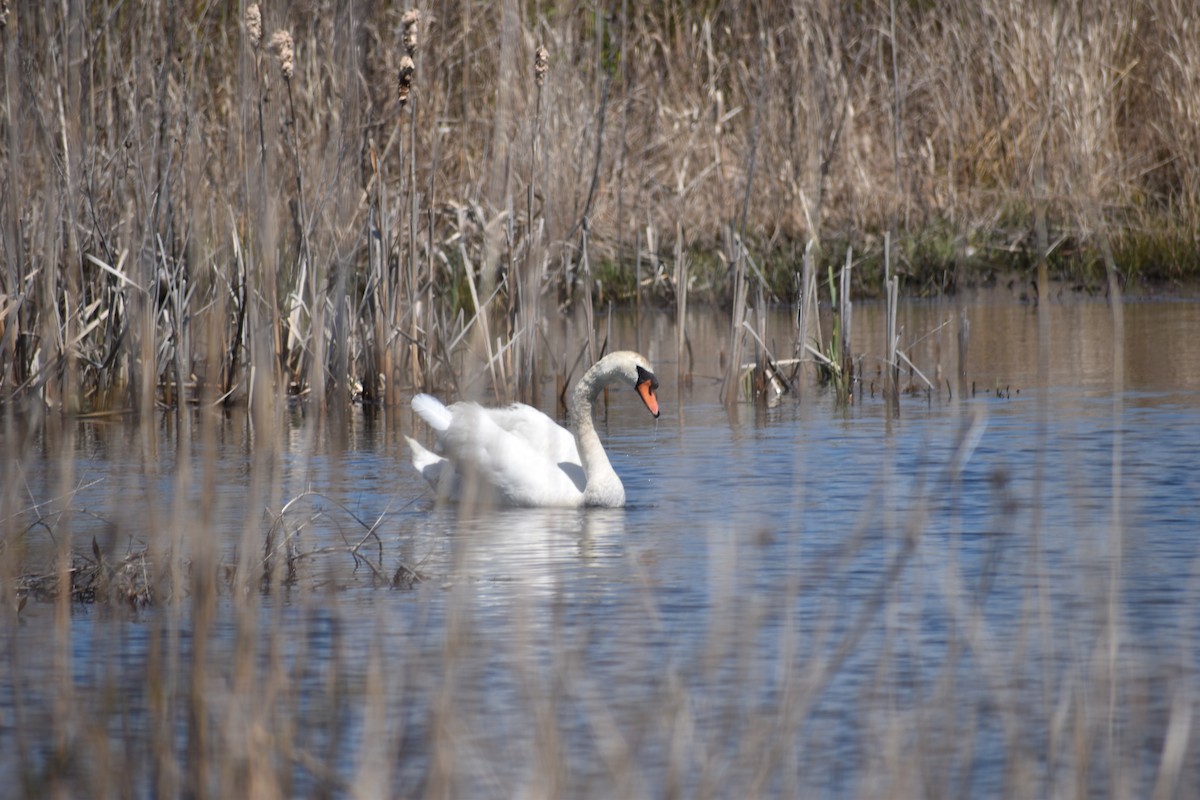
[(180, 220)]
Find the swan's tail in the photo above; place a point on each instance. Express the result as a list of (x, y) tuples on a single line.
[(433, 467), (422, 457), (430, 409)]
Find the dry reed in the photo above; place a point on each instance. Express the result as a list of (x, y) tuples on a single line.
[(281, 45), (336, 260), (254, 29)]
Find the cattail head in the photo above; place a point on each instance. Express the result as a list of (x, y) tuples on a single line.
[(254, 25), (281, 45), (410, 20), (541, 62), (404, 79)]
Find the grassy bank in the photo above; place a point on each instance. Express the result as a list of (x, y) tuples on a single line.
[(196, 206)]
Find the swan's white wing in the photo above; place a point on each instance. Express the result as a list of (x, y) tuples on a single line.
[(538, 429), (520, 464), (427, 463), (437, 471), (430, 409), (543, 434), (513, 472)]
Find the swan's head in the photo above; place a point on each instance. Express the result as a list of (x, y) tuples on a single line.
[(647, 387), (625, 366)]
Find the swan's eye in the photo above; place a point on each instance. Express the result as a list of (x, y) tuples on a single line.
[(646, 376)]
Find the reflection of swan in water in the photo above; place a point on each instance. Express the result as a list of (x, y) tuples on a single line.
[(524, 457), (502, 551)]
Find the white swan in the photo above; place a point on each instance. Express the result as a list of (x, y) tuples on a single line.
[(522, 455)]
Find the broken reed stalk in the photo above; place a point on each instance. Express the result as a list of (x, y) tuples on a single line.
[(623, 141), (404, 84), (528, 285), (410, 22), (585, 216), (418, 313), (247, 287), (897, 111), (845, 318), (308, 361), (237, 290), (806, 308), (173, 302), (380, 295), (655, 264), (740, 280), (964, 340), (585, 269), (287, 312), (479, 308), (834, 371), (738, 316), (682, 351), (891, 377)]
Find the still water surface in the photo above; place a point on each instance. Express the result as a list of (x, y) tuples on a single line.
[(994, 591)]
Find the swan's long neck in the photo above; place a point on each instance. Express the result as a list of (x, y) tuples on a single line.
[(603, 487)]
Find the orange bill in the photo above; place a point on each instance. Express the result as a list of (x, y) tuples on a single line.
[(646, 386)]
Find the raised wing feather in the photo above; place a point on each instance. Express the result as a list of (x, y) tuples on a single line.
[(514, 452)]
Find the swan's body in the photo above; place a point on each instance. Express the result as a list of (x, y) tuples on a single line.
[(523, 456)]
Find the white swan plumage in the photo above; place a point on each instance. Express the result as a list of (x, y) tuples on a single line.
[(523, 456)]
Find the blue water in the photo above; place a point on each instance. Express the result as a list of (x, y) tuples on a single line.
[(979, 596)]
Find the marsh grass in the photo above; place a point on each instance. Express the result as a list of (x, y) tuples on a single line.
[(187, 223), (835, 364), (176, 171)]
